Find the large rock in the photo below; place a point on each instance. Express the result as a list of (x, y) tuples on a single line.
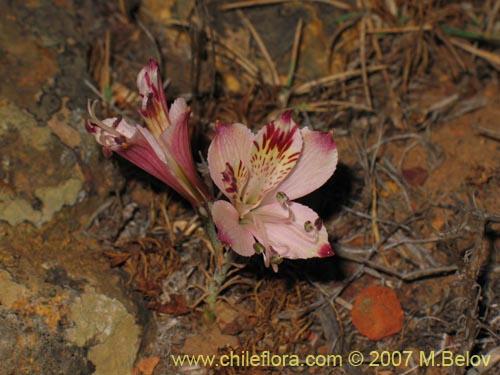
[(47, 160), (62, 310)]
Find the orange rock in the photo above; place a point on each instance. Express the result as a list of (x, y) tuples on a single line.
[(146, 366), (377, 312)]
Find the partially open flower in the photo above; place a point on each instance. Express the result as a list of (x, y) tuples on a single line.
[(261, 174), (163, 148)]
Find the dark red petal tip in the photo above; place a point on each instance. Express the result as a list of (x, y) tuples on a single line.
[(153, 63), (325, 251), (287, 115), (89, 127), (223, 237)]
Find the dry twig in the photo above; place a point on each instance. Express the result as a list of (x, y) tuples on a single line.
[(252, 3), (274, 73)]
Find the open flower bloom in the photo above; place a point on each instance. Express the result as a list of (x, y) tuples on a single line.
[(162, 148), (261, 174)]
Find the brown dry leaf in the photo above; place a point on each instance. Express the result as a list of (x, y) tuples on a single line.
[(377, 312), (147, 287), (228, 319), (360, 241), (146, 366), (117, 259), (415, 176), (176, 306)]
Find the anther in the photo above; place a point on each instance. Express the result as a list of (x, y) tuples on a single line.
[(117, 122), (282, 199), (121, 140), (258, 247), (276, 259), (313, 229), (308, 226), (95, 121)]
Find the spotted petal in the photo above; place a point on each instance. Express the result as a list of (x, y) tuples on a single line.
[(315, 166), (154, 105), (274, 153), (228, 158)]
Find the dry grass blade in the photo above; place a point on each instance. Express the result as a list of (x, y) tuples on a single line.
[(375, 229), (253, 3), (235, 56), (274, 73), (154, 42), (399, 30), (285, 95), (491, 57), (452, 49), (326, 106), (295, 54), (331, 79), (487, 131), (221, 48), (105, 76), (343, 253), (492, 16), (396, 112), (362, 52)]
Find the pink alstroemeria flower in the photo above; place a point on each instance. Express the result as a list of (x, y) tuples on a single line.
[(163, 148), (261, 174)]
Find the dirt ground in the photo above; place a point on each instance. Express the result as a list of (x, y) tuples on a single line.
[(409, 90)]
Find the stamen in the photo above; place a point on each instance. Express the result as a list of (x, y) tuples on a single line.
[(121, 140), (283, 199), (274, 218), (308, 227), (259, 248), (308, 232), (95, 121), (275, 267), (276, 259), (117, 122)]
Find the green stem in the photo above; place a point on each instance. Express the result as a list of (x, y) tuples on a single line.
[(222, 260)]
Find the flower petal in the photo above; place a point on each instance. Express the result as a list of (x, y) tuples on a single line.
[(176, 142), (136, 144), (144, 151), (228, 158), (111, 132), (154, 105), (274, 153), (315, 166), (298, 237), (230, 232), (179, 110)]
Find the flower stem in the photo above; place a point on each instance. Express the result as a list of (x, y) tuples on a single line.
[(222, 261)]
